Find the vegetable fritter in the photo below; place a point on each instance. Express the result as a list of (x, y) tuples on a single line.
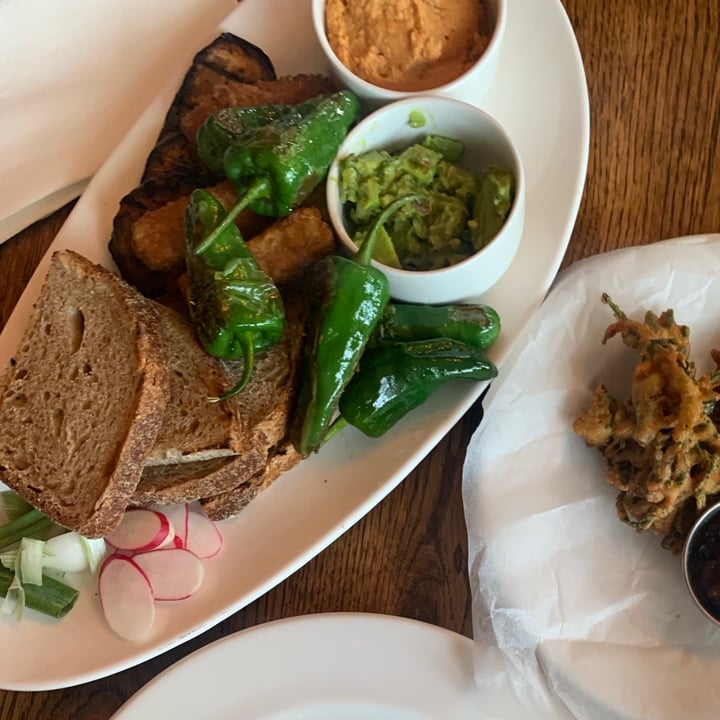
[(662, 448)]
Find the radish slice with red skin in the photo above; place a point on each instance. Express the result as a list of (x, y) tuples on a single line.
[(178, 517), (141, 529), (171, 541), (203, 537), (173, 573), (126, 598)]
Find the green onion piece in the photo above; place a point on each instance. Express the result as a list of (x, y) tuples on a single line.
[(53, 598), (30, 524), (9, 559), (14, 602), (13, 504), (95, 549), (31, 560)]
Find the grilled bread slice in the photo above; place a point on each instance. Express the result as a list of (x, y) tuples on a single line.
[(149, 233), (186, 482), (286, 90), (228, 60), (82, 401)]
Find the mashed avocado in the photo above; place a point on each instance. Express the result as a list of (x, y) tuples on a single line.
[(459, 212)]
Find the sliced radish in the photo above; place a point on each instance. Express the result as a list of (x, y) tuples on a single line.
[(173, 573), (178, 517), (141, 529), (203, 537), (126, 598)]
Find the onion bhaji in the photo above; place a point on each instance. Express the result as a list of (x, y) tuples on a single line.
[(662, 448)]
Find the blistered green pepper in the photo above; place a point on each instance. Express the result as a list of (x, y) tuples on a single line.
[(234, 305), (227, 126), (477, 325), (351, 299), (280, 160), (395, 379)]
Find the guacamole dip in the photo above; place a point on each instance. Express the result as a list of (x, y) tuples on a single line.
[(456, 215)]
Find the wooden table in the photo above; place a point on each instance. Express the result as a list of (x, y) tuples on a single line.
[(653, 72)]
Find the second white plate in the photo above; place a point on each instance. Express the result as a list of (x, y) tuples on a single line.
[(322, 667)]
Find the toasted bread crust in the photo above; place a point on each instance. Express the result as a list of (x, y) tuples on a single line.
[(187, 482), (227, 60), (229, 504)]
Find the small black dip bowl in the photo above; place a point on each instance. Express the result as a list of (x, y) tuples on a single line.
[(701, 562)]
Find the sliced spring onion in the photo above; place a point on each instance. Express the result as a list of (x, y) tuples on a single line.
[(95, 550), (72, 552), (31, 524), (53, 598), (9, 559), (13, 504), (14, 601), (31, 561)]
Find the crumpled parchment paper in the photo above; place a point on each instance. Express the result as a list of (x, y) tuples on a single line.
[(574, 612)]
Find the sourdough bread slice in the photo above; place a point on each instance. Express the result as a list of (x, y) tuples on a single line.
[(82, 400), (265, 406), (194, 429)]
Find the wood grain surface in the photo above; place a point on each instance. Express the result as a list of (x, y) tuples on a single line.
[(653, 73)]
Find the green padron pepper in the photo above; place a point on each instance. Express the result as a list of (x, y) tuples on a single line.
[(477, 325), (351, 299), (227, 126), (235, 307), (393, 380), (282, 156)]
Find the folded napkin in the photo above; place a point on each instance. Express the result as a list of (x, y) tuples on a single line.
[(74, 75), (578, 614)]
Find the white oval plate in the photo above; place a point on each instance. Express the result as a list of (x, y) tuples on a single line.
[(541, 96), (322, 667)]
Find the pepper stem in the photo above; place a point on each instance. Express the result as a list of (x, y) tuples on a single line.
[(364, 255), (334, 429), (258, 188), (248, 362)]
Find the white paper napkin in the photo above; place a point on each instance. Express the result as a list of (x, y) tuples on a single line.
[(74, 75), (580, 615)]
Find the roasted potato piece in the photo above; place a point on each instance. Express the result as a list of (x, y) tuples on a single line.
[(148, 239), (288, 246)]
